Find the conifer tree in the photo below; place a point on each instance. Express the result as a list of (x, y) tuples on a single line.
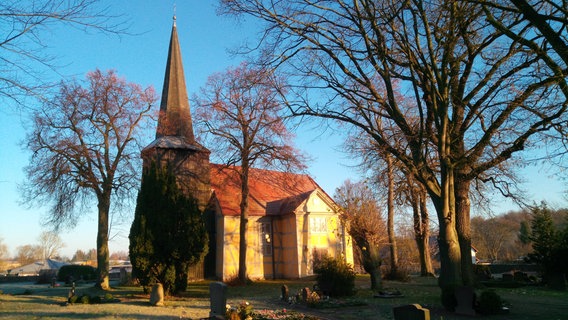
[(168, 233)]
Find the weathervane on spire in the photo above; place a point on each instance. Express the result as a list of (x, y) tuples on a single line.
[(174, 13)]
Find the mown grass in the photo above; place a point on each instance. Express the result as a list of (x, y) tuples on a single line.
[(25, 301)]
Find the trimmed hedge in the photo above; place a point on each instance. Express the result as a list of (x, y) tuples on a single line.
[(70, 273)]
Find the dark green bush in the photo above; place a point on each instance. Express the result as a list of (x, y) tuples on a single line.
[(70, 273), (335, 277), (490, 302)]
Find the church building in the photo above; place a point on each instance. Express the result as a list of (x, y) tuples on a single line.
[(292, 220)]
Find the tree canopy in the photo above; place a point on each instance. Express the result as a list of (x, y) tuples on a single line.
[(476, 97), (84, 146), (241, 114), (22, 44)]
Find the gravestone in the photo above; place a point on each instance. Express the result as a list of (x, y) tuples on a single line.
[(71, 293), (411, 312), (123, 276), (465, 298), (157, 295), (284, 293), (305, 294), (218, 300)]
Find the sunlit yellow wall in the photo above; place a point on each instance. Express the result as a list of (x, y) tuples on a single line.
[(322, 234), (256, 261), (285, 247), (294, 241)]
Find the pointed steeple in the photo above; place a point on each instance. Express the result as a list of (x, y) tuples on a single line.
[(175, 115)]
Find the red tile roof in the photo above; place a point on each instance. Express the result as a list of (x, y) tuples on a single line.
[(271, 192)]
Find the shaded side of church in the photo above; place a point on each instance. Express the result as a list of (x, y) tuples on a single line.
[(292, 221)]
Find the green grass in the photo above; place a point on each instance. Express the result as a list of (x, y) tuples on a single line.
[(25, 301)]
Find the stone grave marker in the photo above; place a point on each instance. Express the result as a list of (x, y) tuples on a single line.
[(123, 275), (411, 312), (218, 300), (465, 297), (157, 295), (284, 293)]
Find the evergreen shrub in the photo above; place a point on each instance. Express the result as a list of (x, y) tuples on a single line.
[(335, 277)]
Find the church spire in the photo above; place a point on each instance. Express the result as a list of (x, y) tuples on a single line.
[(175, 115)]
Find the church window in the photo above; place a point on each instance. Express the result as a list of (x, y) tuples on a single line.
[(266, 238)]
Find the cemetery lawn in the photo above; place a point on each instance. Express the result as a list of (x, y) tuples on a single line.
[(28, 300)]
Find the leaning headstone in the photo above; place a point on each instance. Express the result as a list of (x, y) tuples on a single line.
[(218, 300), (284, 293), (465, 298), (157, 295), (305, 293), (411, 312)]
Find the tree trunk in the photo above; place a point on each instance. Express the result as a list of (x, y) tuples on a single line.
[(372, 265), (243, 224), (103, 264), (448, 243), (390, 218), (464, 230), (422, 233)]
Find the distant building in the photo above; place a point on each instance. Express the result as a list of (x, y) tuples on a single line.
[(34, 269), (292, 221)]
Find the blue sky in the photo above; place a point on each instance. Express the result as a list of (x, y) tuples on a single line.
[(204, 39)]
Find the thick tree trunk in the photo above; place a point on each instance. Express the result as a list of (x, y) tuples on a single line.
[(422, 234), (243, 224), (464, 230), (448, 243), (390, 218), (372, 265), (103, 265)]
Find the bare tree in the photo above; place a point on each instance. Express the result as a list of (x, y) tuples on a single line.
[(241, 114), (50, 244), (27, 254), (84, 147), (479, 97), (387, 173), (79, 255), (540, 27), (119, 255), (22, 45), (361, 215), (3, 254)]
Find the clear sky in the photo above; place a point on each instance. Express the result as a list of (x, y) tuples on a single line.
[(204, 39)]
